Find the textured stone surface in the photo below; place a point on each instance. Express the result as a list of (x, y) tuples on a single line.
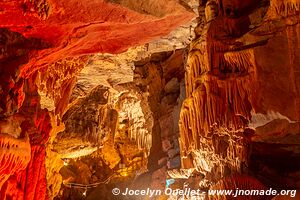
[(68, 116), (72, 28), (24, 126), (43, 48), (241, 89)]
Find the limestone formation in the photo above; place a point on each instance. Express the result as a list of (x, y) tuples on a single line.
[(94, 95), (226, 83)]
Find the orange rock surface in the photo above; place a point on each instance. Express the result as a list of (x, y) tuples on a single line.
[(73, 28), (43, 46)]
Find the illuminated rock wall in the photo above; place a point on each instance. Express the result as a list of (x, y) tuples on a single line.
[(238, 67), (75, 28), (43, 47)]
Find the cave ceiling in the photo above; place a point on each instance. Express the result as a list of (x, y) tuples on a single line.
[(148, 94)]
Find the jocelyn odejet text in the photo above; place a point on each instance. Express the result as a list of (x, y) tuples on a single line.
[(188, 192), (152, 192)]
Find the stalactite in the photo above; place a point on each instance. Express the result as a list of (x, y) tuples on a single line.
[(240, 61), (220, 103), (41, 8), (142, 138), (196, 67), (202, 162), (88, 120), (131, 111), (58, 80), (34, 177), (232, 152), (219, 100), (14, 157), (53, 161), (181, 173), (284, 7), (184, 126)]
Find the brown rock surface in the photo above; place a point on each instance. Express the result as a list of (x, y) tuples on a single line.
[(68, 117), (242, 72)]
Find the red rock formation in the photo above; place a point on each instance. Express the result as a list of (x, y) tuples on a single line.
[(243, 66), (25, 171), (39, 33), (15, 156), (57, 80), (73, 28)]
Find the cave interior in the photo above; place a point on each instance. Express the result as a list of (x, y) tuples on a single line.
[(149, 94)]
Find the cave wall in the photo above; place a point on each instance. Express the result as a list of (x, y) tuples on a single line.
[(241, 74), (72, 28), (25, 126), (240, 115), (128, 131), (44, 45)]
